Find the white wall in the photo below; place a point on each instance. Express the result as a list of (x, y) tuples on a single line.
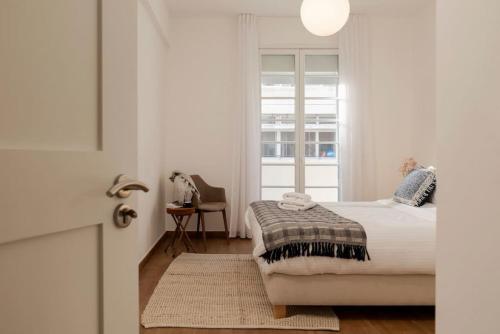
[(201, 90), (203, 58), (468, 105), (403, 105), (392, 98), (288, 32), (152, 106), (424, 68)]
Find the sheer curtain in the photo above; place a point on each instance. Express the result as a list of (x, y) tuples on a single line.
[(357, 156), (246, 155)]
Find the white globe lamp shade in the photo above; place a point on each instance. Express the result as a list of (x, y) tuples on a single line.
[(324, 17)]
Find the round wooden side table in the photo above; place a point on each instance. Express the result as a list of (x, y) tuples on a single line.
[(181, 218)]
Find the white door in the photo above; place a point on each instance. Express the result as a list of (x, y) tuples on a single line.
[(67, 128)]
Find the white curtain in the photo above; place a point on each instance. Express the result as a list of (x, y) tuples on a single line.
[(246, 155), (357, 156)]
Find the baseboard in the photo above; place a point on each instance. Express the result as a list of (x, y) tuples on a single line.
[(209, 234), (198, 235), (153, 248)]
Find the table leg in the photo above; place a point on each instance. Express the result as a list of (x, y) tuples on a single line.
[(187, 240), (175, 236), (180, 235), (178, 220)]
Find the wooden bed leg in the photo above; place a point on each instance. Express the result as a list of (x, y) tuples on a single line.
[(279, 311)]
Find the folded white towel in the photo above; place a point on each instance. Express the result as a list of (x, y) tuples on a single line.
[(297, 197), (291, 207), (296, 202)]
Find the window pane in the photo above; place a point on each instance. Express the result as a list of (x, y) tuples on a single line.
[(287, 136), (323, 194), (310, 136), (320, 106), (268, 136), (278, 63), (275, 79), (278, 160), (321, 80), (325, 154), (278, 106), (278, 119), (278, 176), (274, 193), (278, 76), (275, 152), (322, 64), (320, 122), (278, 110), (278, 86), (269, 150), (320, 86), (327, 136), (324, 81), (320, 176), (277, 122), (327, 151), (310, 150), (288, 150)]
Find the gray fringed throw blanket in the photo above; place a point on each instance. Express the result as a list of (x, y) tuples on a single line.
[(314, 232)]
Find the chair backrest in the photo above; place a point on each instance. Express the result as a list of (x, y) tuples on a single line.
[(207, 192), (202, 186)]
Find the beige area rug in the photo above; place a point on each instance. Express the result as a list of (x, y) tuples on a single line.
[(223, 291)]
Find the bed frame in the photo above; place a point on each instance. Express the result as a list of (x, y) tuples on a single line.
[(347, 290), (330, 289)]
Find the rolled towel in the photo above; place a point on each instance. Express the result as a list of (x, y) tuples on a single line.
[(297, 196), (291, 207)]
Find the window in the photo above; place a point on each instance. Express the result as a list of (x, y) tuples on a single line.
[(299, 123), (310, 146), (287, 139), (268, 146)]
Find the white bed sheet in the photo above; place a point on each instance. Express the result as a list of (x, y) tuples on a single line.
[(400, 240)]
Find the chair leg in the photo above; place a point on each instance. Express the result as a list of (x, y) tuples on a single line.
[(225, 224), (203, 229)]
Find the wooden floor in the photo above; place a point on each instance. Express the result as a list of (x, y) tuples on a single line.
[(353, 320)]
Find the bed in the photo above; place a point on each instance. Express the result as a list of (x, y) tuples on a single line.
[(401, 244)]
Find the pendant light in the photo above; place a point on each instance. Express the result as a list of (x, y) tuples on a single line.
[(324, 17)]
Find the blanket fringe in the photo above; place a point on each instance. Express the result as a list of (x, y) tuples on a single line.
[(328, 249)]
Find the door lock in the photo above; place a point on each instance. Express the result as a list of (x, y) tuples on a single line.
[(124, 215)]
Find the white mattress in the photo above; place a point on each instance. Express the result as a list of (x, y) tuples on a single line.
[(401, 241)]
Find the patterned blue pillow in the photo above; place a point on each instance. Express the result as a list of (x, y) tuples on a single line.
[(416, 187)]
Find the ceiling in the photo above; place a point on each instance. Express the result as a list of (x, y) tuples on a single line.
[(283, 7)]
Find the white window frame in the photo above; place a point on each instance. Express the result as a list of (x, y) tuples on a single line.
[(299, 164)]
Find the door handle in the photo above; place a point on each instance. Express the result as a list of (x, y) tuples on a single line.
[(123, 186)]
